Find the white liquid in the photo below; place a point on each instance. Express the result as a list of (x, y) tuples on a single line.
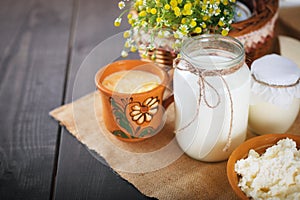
[(133, 81), (265, 118), (206, 137)]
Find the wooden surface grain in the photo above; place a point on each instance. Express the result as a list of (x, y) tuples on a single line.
[(42, 46), (33, 50), (79, 174)]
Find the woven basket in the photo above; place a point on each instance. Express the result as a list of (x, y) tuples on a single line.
[(257, 33), (259, 29)]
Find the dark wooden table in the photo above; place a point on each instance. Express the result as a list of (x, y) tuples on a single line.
[(42, 44)]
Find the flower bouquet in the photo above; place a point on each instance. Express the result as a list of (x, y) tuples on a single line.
[(158, 27)]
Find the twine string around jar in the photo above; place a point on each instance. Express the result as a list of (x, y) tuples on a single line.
[(275, 85), (202, 82)]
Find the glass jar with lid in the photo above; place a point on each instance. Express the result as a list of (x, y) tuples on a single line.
[(211, 92), (275, 93)]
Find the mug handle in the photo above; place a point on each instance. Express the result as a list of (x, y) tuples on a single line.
[(169, 99)]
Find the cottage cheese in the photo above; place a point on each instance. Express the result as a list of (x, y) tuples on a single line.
[(273, 175)]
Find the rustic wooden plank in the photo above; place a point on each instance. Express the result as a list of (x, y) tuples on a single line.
[(33, 55), (80, 175)]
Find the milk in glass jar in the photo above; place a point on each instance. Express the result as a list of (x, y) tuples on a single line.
[(275, 94), (211, 92)]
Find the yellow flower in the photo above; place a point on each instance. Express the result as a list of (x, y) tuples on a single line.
[(198, 30), (187, 12), (225, 12), (205, 18), (187, 6), (221, 23), (196, 2), (127, 44), (133, 48), (193, 23), (177, 35), (173, 3), (183, 28), (158, 3), (144, 55), (129, 16), (143, 13), (183, 16), (167, 7), (144, 112), (239, 14), (225, 31), (153, 11), (117, 22), (131, 21), (143, 23), (187, 9), (177, 11), (153, 57), (126, 34), (225, 2)]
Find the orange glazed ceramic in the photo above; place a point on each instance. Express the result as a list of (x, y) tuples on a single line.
[(137, 116), (259, 144)]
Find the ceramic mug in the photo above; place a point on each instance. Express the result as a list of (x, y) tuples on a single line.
[(133, 116)]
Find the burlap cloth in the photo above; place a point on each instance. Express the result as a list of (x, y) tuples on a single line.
[(157, 167), (163, 174)]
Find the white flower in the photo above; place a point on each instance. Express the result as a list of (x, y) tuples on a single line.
[(126, 34), (178, 35), (121, 5), (151, 47), (142, 47), (161, 34), (184, 29), (145, 111), (118, 21), (124, 53)]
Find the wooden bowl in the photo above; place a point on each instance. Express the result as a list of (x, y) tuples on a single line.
[(259, 144)]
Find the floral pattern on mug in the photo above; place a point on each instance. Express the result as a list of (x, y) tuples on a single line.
[(144, 112)]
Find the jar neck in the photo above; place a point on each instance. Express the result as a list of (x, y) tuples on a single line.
[(213, 52)]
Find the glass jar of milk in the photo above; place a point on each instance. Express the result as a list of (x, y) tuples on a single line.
[(211, 93), (275, 93)]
